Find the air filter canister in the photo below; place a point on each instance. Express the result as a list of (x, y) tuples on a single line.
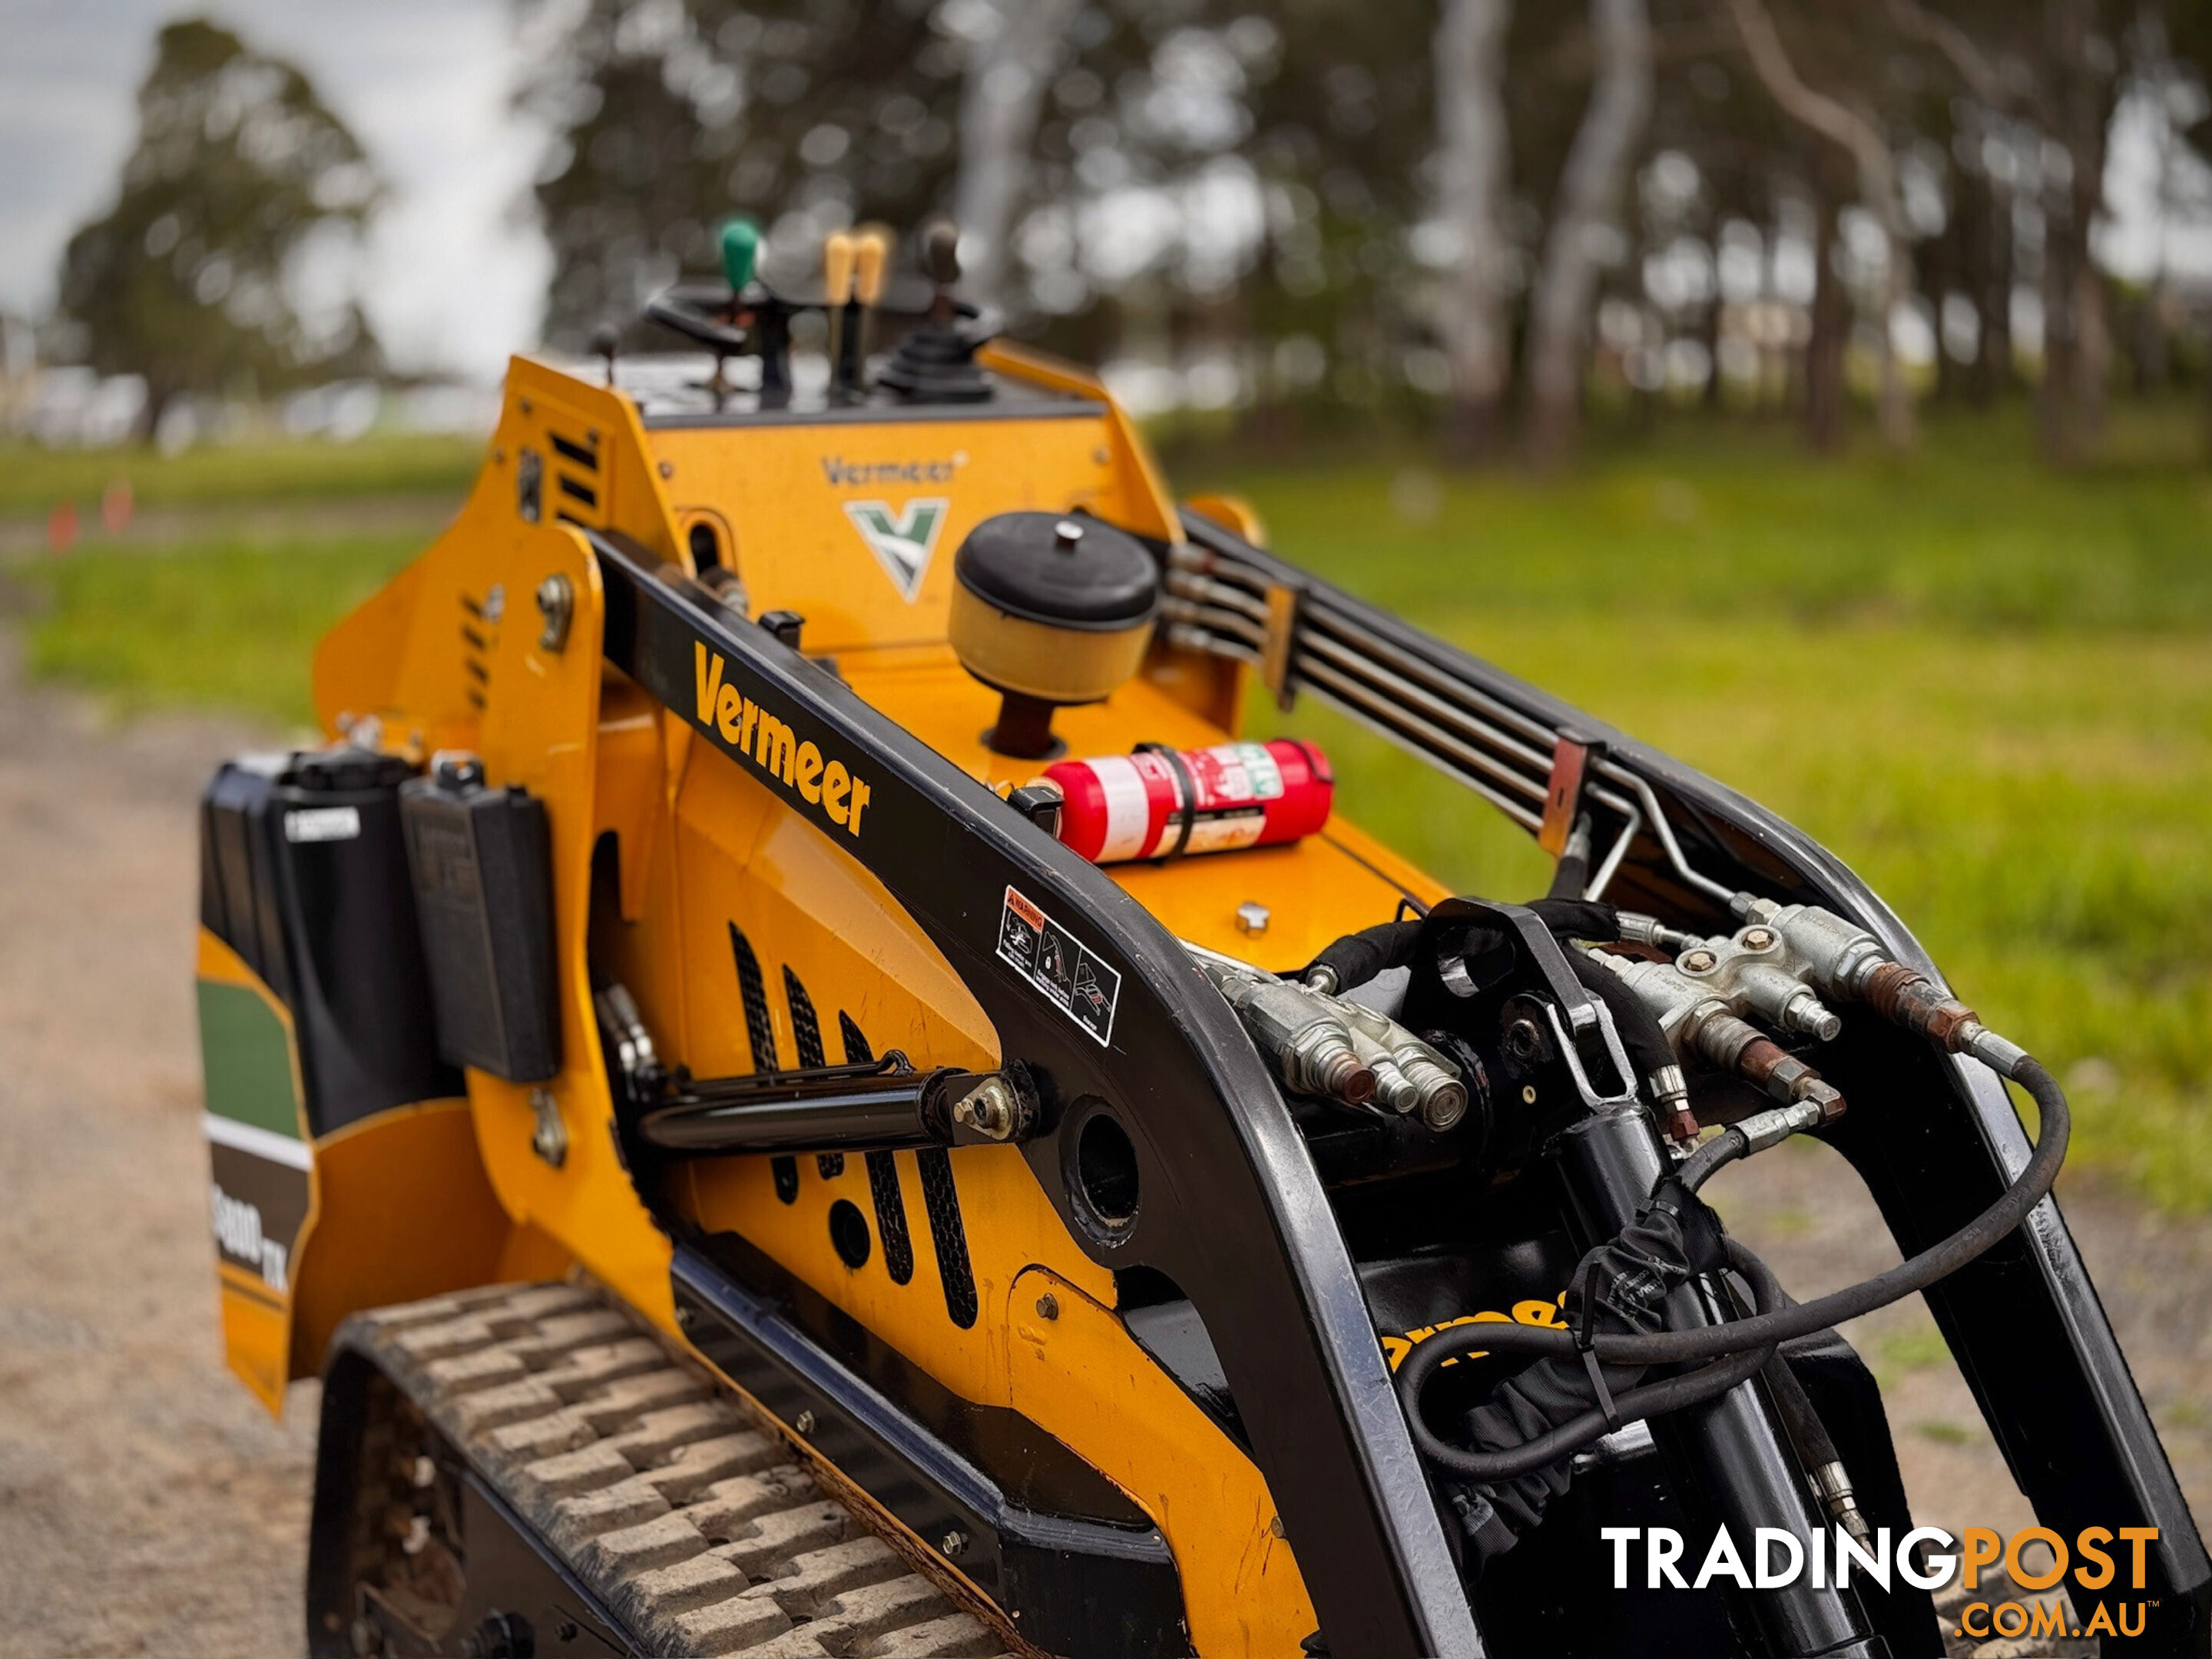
[(1159, 801)]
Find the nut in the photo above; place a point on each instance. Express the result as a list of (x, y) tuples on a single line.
[(1523, 1041), (954, 1543), (1253, 918), (549, 1139), (556, 605), (988, 1108)]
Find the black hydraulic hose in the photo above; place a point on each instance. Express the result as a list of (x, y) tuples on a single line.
[(1577, 918), (1630, 1406), (1358, 958), (1765, 1329), (1799, 1415), (1706, 1162)]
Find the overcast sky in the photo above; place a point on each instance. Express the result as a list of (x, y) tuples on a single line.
[(455, 275)]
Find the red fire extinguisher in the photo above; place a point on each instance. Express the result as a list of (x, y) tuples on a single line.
[(1159, 801)]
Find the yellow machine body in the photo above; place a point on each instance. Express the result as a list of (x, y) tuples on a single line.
[(455, 654)]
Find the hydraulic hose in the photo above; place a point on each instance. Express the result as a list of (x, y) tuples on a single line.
[(1766, 1329), (1630, 1406), (1915, 1273)]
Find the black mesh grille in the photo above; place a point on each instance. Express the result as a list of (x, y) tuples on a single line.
[(941, 1199), (760, 1031), (882, 1176), (760, 1028), (806, 1030)]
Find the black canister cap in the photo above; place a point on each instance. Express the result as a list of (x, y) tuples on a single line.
[(346, 770), (1061, 571)]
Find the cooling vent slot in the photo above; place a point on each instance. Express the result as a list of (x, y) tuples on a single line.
[(584, 493), (477, 628)]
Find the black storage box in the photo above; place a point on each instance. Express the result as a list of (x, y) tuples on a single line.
[(301, 873), (483, 899)]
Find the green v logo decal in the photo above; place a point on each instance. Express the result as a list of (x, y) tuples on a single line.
[(901, 542)]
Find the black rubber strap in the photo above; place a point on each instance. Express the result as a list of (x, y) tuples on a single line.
[(1585, 1345), (1600, 1392), (1189, 814)]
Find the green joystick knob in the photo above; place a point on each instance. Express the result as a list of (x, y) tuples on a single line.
[(740, 252)]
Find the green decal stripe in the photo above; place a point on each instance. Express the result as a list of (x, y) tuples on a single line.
[(247, 1054)]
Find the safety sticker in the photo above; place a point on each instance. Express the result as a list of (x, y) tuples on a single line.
[(1048, 957)]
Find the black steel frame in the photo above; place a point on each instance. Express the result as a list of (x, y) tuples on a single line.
[(1231, 1208)]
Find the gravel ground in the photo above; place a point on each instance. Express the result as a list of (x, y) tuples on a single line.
[(146, 1504)]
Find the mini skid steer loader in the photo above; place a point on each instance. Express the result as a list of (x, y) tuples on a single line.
[(806, 1095)]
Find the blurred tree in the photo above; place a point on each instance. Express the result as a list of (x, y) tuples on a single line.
[(671, 115), (1587, 216), (1474, 173), (1014, 47), (191, 279), (1853, 128)]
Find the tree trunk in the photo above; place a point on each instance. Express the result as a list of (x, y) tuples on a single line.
[(1589, 204), (1830, 333), (1474, 170), (1995, 300), (2075, 348), (1855, 134), (1000, 96)]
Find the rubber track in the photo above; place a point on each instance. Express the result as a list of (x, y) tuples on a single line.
[(692, 1520)]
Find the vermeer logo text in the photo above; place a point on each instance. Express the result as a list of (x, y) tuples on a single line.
[(769, 744)]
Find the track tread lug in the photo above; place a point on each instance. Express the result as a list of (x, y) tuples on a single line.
[(616, 1402), (773, 1539), (737, 1625), (662, 1541), (818, 1577), (575, 1375), (659, 1435), (571, 1474), (955, 1635), (665, 1493), (726, 1513), (695, 1467), (626, 1506)]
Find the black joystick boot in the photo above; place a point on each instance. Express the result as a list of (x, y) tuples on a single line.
[(936, 362)]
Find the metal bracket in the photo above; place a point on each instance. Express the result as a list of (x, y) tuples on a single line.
[(1284, 602), (1563, 799)]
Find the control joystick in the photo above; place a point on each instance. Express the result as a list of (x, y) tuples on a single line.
[(936, 362)]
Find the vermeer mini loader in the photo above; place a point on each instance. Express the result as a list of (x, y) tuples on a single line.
[(806, 1095)]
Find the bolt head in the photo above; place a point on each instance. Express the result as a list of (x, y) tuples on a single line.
[(1758, 938), (1253, 918), (988, 1108), (1697, 961), (953, 1544), (803, 1422), (1047, 1306)]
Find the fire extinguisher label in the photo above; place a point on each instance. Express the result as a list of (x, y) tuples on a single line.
[(1071, 977)]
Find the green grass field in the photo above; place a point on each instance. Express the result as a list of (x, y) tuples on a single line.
[(1987, 687), (35, 480)]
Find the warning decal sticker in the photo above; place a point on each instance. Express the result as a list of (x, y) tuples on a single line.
[(1084, 988)]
